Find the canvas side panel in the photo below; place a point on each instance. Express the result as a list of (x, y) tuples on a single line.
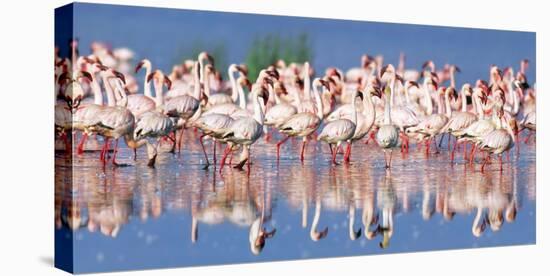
[(64, 208)]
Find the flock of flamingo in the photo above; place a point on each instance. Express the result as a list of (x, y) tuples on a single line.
[(391, 105)]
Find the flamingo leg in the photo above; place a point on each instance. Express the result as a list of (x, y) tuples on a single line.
[(214, 150), (435, 145), (174, 141), (225, 153), (428, 142), (279, 145), (303, 150), (453, 152), (114, 153), (472, 154), (465, 147), (80, 148), (500, 160), (334, 154), (391, 151), (347, 155), (385, 160), (201, 140), (485, 162)]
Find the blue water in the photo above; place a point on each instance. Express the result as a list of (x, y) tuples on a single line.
[(153, 208)]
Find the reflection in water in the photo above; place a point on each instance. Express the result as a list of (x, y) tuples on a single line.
[(361, 203)]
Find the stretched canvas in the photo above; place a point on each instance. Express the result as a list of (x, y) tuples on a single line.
[(190, 138)]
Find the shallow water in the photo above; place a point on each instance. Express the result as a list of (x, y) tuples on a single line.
[(135, 217)]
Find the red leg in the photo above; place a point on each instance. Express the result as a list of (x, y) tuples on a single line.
[(204, 150), (348, 153), (500, 160), (334, 155), (453, 152), (302, 152), (428, 142), (472, 154), (485, 162), (225, 153), (80, 148)]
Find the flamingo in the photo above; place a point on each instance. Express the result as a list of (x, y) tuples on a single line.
[(141, 103), (245, 131), (365, 119), (341, 130), (458, 120), (431, 125), (499, 140), (222, 98), (185, 108), (387, 136), (154, 124), (313, 233), (279, 113), (303, 124), (114, 122), (213, 125), (402, 116)]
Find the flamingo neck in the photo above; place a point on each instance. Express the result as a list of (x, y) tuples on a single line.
[(258, 110), (428, 100), (318, 102), (307, 82), (206, 84), (477, 219), (146, 84), (354, 107), (351, 222), (109, 91), (159, 96), (98, 96), (313, 231), (448, 110), (197, 86), (392, 87), (368, 108), (478, 107), (242, 97), (453, 82), (464, 101), (233, 82)]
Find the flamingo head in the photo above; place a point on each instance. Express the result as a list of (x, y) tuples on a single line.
[(453, 68), (204, 56), (375, 91), (451, 91), (467, 89), (478, 229), (245, 82), (143, 63), (429, 64)]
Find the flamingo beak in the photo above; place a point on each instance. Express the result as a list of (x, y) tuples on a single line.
[(360, 94), (168, 82), (457, 69), (138, 66)]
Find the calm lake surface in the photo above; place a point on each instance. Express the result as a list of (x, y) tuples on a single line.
[(135, 217)]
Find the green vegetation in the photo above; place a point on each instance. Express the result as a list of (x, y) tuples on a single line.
[(266, 50), (216, 49)]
